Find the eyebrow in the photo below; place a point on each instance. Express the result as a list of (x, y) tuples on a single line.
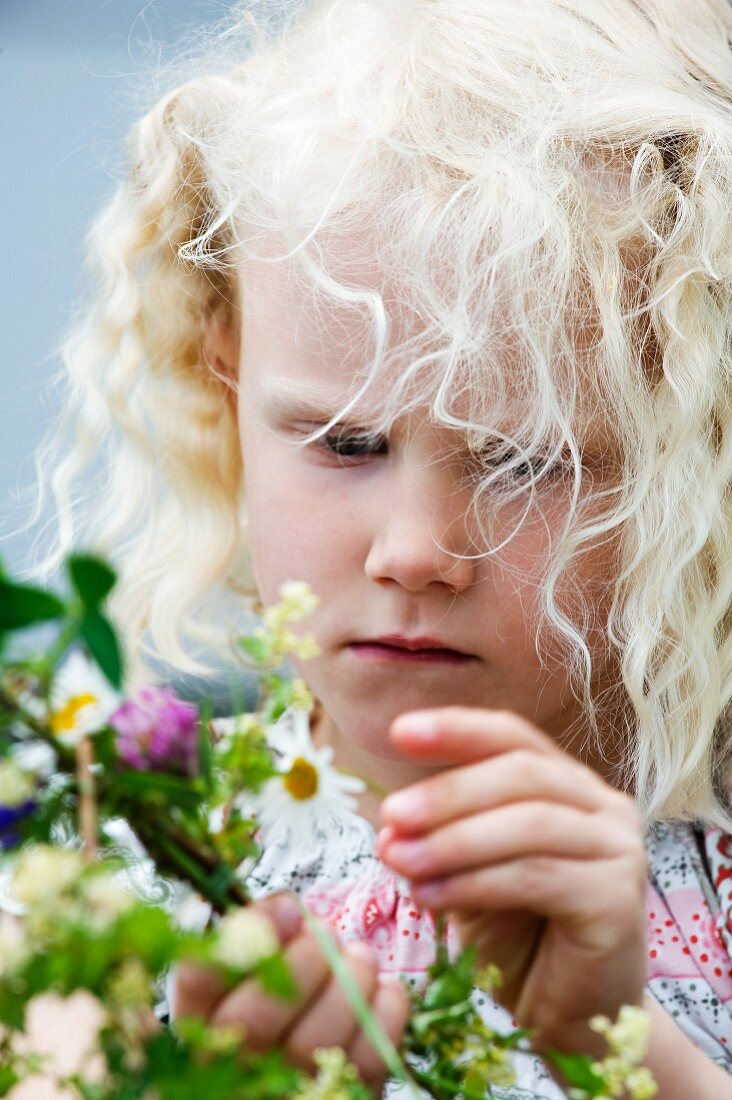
[(305, 403)]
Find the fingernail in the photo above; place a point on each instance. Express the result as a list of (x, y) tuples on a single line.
[(359, 950), (402, 805), (383, 839), (417, 721), (286, 915), (427, 893)]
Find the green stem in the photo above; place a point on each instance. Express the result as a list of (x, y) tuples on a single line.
[(370, 1024), (9, 702), (184, 858), (426, 1019), (181, 864), (68, 633)]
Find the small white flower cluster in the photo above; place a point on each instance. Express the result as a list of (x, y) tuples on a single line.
[(14, 946), (335, 1075), (297, 601), (51, 883), (43, 873), (628, 1042), (245, 937), (16, 786)]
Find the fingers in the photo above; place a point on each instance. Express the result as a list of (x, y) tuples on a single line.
[(506, 833), (197, 990), (390, 1005), (445, 736), (265, 1019), (329, 1020), (594, 896), (513, 776)]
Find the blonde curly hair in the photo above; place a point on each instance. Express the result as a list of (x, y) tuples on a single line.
[(517, 166)]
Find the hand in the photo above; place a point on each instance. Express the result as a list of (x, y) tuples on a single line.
[(320, 1016), (539, 861)]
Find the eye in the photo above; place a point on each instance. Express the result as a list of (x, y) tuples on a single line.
[(524, 471), (353, 443)]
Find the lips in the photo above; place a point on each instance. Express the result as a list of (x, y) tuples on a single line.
[(400, 647), (415, 644)]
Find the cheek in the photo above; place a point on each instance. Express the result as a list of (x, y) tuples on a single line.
[(298, 527)]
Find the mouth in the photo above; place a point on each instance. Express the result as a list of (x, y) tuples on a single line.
[(397, 647)]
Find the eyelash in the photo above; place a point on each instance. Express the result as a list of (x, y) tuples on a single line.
[(332, 441)]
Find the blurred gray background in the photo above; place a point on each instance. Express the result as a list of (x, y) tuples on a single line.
[(67, 71)]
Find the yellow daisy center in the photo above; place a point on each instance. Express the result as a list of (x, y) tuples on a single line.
[(64, 719), (302, 779)]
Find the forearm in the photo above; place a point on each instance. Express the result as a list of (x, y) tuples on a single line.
[(679, 1067)]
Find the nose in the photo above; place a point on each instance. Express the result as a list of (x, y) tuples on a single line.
[(422, 534)]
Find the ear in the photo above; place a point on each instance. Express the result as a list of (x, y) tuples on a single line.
[(221, 351)]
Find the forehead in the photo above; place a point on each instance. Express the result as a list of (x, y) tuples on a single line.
[(304, 352), (292, 331)]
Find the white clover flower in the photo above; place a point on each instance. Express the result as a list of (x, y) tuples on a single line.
[(245, 937), (14, 947), (81, 699), (105, 900), (43, 873), (290, 806), (16, 787)]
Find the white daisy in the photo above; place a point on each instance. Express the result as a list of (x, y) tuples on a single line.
[(310, 787), (81, 699)]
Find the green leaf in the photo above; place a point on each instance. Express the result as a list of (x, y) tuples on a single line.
[(12, 1006), (21, 605), (8, 1078), (578, 1071), (276, 978), (511, 1040), (259, 649), (92, 578), (156, 787), (453, 985), (99, 635)]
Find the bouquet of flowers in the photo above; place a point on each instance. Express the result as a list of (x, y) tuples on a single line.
[(76, 755)]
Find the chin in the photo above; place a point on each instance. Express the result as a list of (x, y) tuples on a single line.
[(361, 725)]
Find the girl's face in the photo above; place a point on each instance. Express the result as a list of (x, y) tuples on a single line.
[(370, 524)]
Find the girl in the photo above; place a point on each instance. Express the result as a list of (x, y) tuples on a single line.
[(429, 303)]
